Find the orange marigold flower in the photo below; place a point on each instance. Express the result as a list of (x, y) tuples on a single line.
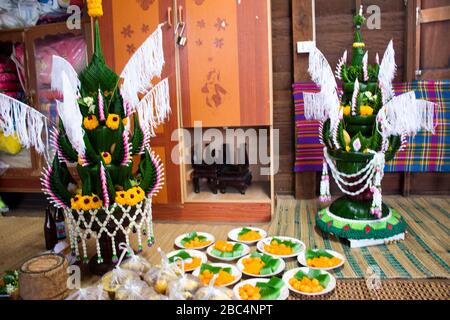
[(75, 202), (121, 197), (113, 121), (90, 122), (106, 156)]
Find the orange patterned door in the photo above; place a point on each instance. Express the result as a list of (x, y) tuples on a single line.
[(131, 22), (225, 65)]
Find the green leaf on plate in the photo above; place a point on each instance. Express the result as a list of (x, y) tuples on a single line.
[(182, 254), (311, 254)]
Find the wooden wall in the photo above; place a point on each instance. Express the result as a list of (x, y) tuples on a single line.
[(283, 111)]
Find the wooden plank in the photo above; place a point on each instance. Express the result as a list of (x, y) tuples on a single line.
[(254, 64), (107, 34), (302, 26), (417, 36), (435, 74), (303, 30), (214, 212), (410, 40), (435, 14)]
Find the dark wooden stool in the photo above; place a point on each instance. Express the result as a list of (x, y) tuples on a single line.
[(235, 175)]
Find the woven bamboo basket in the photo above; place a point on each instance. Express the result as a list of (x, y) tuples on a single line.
[(44, 277)]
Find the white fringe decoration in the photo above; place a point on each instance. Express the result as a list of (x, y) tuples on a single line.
[(71, 116), (341, 62), (426, 110), (154, 108), (325, 104), (387, 73), (365, 66), (355, 97), (60, 66), (28, 123), (144, 65)]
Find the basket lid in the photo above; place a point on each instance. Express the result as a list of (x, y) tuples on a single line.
[(42, 263)]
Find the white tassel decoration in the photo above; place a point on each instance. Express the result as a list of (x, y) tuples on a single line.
[(426, 110), (387, 73), (144, 65), (60, 66), (26, 122), (154, 108), (71, 116)]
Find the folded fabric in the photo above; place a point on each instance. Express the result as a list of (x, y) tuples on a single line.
[(8, 77), (9, 86)]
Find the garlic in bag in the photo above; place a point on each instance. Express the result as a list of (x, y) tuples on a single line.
[(185, 287), (159, 277), (135, 262), (137, 290), (90, 293)]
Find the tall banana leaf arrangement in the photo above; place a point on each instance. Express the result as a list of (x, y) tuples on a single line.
[(105, 125), (362, 127)]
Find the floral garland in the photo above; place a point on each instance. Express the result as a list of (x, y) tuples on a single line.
[(80, 229)]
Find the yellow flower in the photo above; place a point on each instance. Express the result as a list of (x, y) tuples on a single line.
[(95, 8), (106, 157), (96, 202), (90, 122), (359, 44), (132, 197), (121, 197), (75, 202), (107, 93), (366, 111), (347, 148), (125, 121), (347, 110), (85, 203), (139, 193), (113, 121)]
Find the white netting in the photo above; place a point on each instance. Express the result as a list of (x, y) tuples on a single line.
[(368, 177), (139, 219)]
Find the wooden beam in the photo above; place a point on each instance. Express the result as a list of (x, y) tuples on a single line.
[(435, 14), (410, 40), (303, 30)]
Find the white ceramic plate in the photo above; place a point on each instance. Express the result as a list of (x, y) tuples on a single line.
[(234, 272), (192, 253), (208, 236), (244, 252), (302, 259), (234, 234), (290, 274), (262, 242), (280, 268), (284, 292)]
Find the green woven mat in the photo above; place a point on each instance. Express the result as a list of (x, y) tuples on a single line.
[(357, 289), (423, 254)]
